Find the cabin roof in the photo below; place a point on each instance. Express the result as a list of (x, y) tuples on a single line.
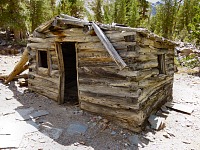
[(65, 21)]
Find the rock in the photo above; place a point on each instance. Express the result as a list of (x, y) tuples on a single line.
[(39, 113), (76, 128), (166, 136), (156, 122), (165, 110), (53, 133), (9, 97), (24, 114), (113, 133), (105, 120), (134, 140)]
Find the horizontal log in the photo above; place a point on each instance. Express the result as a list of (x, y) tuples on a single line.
[(119, 35), (40, 86), (40, 40), (47, 83), (109, 101), (146, 57), (46, 79), (108, 82), (146, 73), (41, 45), (143, 65), (127, 119), (148, 91), (72, 32), (90, 54), (86, 38), (42, 91), (95, 60), (116, 91), (99, 46), (97, 64), (150, 81), (108, 72)]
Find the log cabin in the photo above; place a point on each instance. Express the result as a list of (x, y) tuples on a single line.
[(122, 73)]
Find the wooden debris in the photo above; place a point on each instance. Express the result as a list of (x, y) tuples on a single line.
[(23, 82), (4, 77), (180, 107)]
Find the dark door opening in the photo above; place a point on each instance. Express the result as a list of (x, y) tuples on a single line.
[(69, 58)]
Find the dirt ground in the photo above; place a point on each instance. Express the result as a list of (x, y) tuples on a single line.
[(31, 121)]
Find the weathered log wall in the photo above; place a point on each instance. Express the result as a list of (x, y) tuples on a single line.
[(128, 95)]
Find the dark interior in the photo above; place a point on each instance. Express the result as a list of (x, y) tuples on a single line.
[(69, 58), (42, 59)]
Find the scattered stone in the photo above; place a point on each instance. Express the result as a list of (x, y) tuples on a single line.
[(24, 114), (113, 133), (156, 122), (166, 136), (164, 109), (186, 142), (170, 133), (39, 113), (9, 97), (105, 120), (23, 82), (150, 136), (134, 140), (53, 133), (77, 128)]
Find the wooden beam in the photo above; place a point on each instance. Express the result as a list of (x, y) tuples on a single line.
[(19, 68), (109, 47)]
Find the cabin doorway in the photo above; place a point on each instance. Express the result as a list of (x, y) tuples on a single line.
[(70, 72)]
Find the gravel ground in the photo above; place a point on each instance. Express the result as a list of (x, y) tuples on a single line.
[(68, 127)]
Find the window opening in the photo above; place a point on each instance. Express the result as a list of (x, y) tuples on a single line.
[(42, 59), (161, 64)]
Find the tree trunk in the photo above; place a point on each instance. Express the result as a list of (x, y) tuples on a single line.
[(17, 35)]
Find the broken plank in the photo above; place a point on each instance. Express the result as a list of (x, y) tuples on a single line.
[(109, 47), (179, 107)]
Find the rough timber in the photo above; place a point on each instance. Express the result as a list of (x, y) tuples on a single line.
[(123, 73)]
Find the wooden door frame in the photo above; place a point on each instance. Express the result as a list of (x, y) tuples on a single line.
[(62, 72)]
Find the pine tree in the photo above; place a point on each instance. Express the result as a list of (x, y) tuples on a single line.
[(108, 9), (96, 7), (14, 17), (120, 12), (39, 12), (74, 8), (165, 17), (133, 14)]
